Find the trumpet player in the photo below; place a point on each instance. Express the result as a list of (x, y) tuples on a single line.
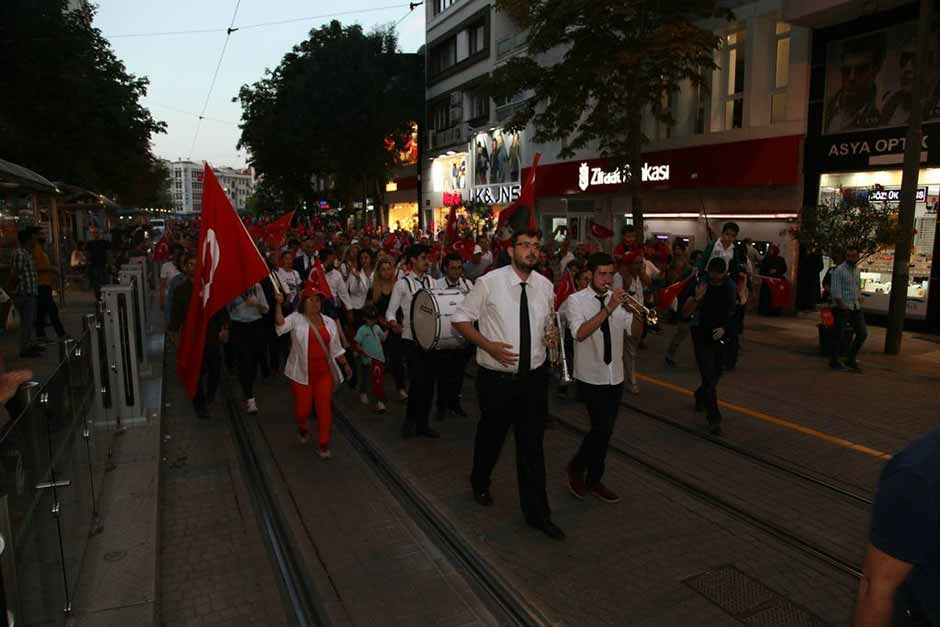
[(513, 305), (600, 321)]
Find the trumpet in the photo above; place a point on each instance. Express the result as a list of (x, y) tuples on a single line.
[(555, 344), (634, 306)]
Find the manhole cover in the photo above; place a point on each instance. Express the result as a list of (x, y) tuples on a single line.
[(749, 600), (115, 556)]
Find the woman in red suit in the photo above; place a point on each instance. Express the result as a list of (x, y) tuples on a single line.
[(311, 366)]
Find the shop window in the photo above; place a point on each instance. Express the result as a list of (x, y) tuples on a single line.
[(778, 100), (735, 64)]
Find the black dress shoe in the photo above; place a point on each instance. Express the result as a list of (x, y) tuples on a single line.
[(429, 433), (458, 411), (550, 529), (483, 497)]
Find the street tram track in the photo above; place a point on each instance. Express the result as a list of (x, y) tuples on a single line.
[(507, 603), (780, 466), (779, 532)]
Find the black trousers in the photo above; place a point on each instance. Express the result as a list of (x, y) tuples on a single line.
[(209, 376), (710, 358), (247, 338), (46, 308), (395, 359), (846, 319), (732, 345), (451, 365), (603, 404), (422, 372), (519, 403)]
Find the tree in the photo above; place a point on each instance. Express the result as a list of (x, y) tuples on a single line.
[(854, 222), (327, 109), (68, 107), (621, 59)]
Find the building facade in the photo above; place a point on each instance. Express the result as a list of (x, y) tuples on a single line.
[(734, 153), (859, 107), (186, 185)]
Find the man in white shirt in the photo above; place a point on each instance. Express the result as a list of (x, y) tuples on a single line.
[(334, 278), (599, 323), (421, 365), (631, 279), (452, 363), (512, 305)]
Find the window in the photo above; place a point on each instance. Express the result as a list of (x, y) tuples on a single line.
[(477, 38), (444, 56), (668, 104), (703, 99), (479, 105), (440, 116), (778, 100), (734, 68), (442, 5)]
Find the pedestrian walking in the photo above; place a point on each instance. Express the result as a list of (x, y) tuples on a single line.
[(369, 339), (47, 312), (600, 323), (25, 287), (246, 313), (901, 572), (682, 324), (845, 287), (312, 363), (711, 307), (382, 286)]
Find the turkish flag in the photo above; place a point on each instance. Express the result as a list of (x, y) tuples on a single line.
[(520, 215), (451, 232), (600, 231), (779, 291), (671, 293), (227, 264), (564, 289), (161, 251), (317, 280), (276, 232)]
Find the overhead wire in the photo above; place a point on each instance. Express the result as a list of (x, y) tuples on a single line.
[(215, 75), (191, 113)]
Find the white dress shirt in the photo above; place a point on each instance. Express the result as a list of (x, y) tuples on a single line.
[(402, 295), (462, 284), (494, 302), (299, 328), (358, 285), (589, 363), (719, 250), (334, 278)]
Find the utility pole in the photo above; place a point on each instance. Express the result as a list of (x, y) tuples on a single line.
[(900, 277)]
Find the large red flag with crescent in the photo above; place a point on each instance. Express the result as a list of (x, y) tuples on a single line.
[(317, 280), (564, 289), (276, 232), (671, 293), (227, 264), (161, 251)]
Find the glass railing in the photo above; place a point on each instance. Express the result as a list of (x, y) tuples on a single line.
[(52, 460)]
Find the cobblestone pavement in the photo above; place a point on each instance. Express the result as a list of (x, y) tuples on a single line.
[(622, 564), (213, 565), (379, 567)]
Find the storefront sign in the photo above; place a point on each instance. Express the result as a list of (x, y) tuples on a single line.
[(451, 199), (495, 194), (588, 177), (894, 195), (879, 146)]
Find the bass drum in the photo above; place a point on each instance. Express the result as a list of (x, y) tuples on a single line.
[(431, 314)]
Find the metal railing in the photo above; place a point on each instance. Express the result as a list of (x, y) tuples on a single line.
[(53, 455)]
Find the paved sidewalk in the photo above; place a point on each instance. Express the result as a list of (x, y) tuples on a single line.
[(214, 567)]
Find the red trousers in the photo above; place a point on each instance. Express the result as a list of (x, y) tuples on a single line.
[(319, 393)]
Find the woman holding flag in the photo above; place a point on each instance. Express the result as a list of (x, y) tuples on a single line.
[(311, 366)]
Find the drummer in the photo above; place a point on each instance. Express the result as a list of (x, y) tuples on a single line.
[(421, 364), (452, 363)]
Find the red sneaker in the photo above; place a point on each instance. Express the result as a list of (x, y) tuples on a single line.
[(604, 494), (576, 484)]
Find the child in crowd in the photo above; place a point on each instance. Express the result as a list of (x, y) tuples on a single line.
[(369, 339)]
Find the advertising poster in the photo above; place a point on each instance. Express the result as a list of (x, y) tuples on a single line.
[(869, 79), (497, 158), (449, 173)]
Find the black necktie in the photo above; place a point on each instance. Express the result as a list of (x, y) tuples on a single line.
[(525, 334), (605, 329)]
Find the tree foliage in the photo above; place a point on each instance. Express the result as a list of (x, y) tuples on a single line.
[(854, 222), (326, 110), (595, 66), (69, 109)]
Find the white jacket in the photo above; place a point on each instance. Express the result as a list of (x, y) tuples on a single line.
[(299, 327)]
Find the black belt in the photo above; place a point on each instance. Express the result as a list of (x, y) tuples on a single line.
[(510, 376)]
